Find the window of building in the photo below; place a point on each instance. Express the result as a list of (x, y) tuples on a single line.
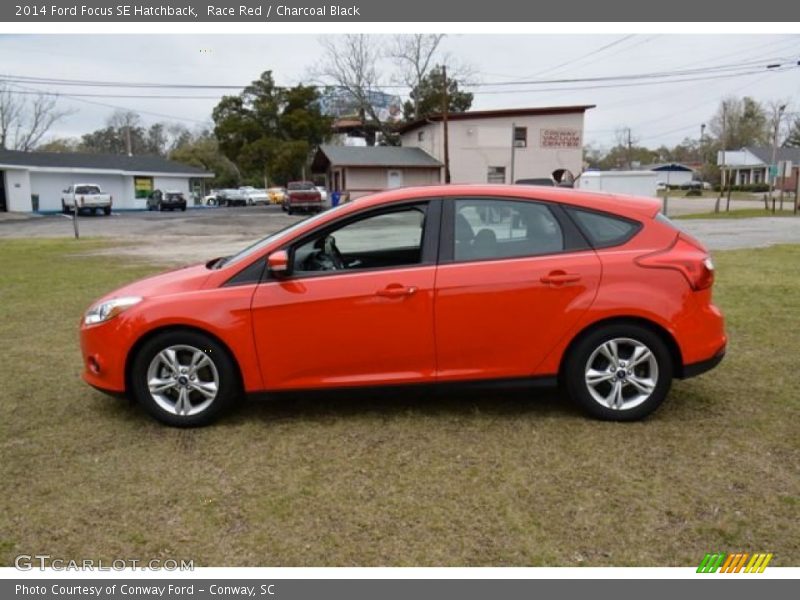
[(521, 137), (496, 175), (421, 136)]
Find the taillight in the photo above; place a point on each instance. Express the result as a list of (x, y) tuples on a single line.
[(685, 256)]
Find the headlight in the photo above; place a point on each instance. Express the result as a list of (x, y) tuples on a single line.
[(109, 309)]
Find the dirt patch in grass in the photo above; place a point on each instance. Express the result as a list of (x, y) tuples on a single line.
[(499, 478)]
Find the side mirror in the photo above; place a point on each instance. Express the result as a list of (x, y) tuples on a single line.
[(278, 262)]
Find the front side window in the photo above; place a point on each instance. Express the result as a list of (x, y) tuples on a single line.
[(384, 240), (487, 229)]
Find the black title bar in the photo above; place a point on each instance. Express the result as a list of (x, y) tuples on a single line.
[(397, 11)]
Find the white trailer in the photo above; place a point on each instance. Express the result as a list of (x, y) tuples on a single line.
[(634, 183)]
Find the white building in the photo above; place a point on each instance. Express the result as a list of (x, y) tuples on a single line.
[(35, 180), (750, 165), (504, 146)]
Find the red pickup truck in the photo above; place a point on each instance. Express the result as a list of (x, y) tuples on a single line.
[(302, 196)]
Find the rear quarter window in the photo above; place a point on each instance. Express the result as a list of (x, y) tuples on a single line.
[(604, 229)]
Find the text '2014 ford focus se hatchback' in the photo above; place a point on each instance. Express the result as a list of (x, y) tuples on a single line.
[(599, 293)]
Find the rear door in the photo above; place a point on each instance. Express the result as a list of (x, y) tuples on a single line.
[(514, 276)]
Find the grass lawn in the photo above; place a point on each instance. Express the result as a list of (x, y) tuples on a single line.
[(413, 479), (745, 213), (713, 194)]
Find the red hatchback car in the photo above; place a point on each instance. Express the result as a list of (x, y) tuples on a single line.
[(599, 293)]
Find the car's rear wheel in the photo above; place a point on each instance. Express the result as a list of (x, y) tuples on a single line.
[(184, 378), (106, 210), (620, 372)]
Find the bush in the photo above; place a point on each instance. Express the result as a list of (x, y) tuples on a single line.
[(749, 187)]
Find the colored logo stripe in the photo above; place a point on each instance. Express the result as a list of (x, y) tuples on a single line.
[(734, 563)]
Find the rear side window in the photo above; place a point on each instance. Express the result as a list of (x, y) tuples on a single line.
[(493, 229), (603, 229)]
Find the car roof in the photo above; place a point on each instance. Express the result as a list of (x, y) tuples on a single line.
[(613, 203)]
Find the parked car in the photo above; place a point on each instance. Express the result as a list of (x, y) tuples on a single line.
[(169, 200), (323, 194), (254, 195), (231, 197), (302, 196), (409, 286), (87, 197), (277, 195)]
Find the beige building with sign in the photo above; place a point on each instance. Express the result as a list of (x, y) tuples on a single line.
[(504, 146)]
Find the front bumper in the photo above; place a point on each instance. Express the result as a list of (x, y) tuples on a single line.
[(104, 355)]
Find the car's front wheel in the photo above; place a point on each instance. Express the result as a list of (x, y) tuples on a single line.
[(184, 378), (619, 372)]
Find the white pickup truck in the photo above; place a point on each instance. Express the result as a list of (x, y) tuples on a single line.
[(86, 196)]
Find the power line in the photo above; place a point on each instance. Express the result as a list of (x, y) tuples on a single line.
[(583, 56), (27, 90), (731, 67)]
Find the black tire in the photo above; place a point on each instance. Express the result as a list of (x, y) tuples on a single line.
[(228, 391), (183, 208), (64, 208), (574, 372), (106, 210)]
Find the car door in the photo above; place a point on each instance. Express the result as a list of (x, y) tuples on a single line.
[(365, 321), (514, 276)]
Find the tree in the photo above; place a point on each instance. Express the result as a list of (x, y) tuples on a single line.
[(746, 123), (202, 150), (414, 56), (427, 98), (793, 137), (59, 145), (25, 121), (351, 64), (125, 133), (269, 131)]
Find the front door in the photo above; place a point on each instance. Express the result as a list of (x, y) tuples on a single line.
[(357, 308), (510, 288), (394, 179)]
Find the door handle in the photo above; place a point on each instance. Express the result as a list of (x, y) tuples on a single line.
[(560, 278), (396, 291)]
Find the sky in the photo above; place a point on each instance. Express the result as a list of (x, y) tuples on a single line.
[(662, 113)]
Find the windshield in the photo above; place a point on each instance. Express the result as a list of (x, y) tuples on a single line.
[(301, 186), (285, 232), (87, 189)]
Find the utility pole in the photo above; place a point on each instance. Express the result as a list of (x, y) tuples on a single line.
[(703, 148), (445, 108), (513, 149), (723, 176), (773, 175), (630, 150)]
